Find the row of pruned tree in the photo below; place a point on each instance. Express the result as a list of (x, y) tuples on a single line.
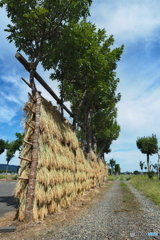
[(81, 58)]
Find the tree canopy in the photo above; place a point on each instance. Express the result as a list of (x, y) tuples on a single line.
[(86, 72), (81, 56), (36, 26), (148, 146), (11, 147)]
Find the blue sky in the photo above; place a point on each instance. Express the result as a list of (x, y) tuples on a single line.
[(136, 24)]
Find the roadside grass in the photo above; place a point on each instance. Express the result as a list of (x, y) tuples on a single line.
[(8, 177), (150, 188), (125, 177), (112, 177)]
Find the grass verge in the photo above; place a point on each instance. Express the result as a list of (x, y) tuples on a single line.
[(150, 188), (112, 178), (8, 177), (129, 202)]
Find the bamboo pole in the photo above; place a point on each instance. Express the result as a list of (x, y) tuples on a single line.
[(33, 166)]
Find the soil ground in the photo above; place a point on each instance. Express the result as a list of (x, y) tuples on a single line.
[(66, 216)]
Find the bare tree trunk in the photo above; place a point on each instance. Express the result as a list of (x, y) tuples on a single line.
[(89, 135), (62, 96), (7, 167), (94, 140), (75, 118), (148, 163), (33, 166), (32, 71)]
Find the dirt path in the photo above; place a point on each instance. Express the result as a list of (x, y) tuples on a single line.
[(117, 213)]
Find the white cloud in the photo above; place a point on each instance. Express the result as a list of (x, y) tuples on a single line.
[(128, 20), (7, 114)]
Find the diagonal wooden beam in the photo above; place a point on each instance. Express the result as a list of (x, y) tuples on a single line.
[(24, 62)]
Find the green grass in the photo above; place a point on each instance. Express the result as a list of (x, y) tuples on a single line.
[(123, 185), (5, 176), (128, 200), (150, 188), (2, 176), (112, 177), (125, 177)]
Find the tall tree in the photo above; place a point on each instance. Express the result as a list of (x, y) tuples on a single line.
[(117, 169), (141, 164), (12, 147), (112, 164), (148, 146), (37, 27), (87, 69)]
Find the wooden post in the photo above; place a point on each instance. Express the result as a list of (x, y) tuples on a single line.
[(33, 166)]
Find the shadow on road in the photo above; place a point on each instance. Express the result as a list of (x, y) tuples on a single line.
[(10, 201)]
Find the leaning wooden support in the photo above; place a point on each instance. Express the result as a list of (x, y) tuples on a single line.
[(29, 143), (30, 95), (30, 125), (27, 65), (30, 109), (33, 166), (26, 82), (23, 178), (25, 159)]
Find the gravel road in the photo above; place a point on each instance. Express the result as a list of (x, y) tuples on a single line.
[(107, 220), (7, 200)]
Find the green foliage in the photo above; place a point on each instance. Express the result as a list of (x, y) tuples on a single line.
[(150, 174), (112, 163), (117, 169), (141, 164), (2, 146), (81, 56), (14, 146), (136, 172), (36, 26), (11, 147), (87, 79), (148, 145)]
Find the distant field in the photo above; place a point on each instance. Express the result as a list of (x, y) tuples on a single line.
[(150, 188)]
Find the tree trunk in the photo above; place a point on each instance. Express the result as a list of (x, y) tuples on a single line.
[(89, 135), (62, 96), (7, 167), (32, 71), (148, 163), (74, 118), (33, 166)]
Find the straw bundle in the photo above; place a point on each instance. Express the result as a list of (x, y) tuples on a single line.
[(62, 172)]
